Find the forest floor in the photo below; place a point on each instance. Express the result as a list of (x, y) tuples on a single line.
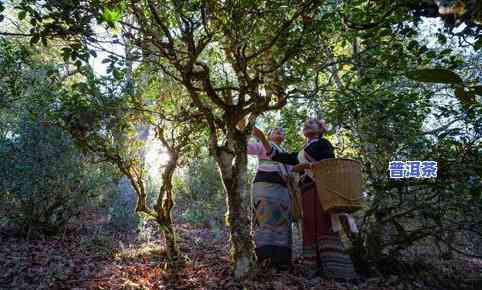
[(89, 255)]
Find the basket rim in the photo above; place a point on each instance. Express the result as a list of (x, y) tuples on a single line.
[(318, 163)]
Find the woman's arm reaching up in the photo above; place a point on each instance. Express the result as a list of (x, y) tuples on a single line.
[(276, 155), (262, 138)]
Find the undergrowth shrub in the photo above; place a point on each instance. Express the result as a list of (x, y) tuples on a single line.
[(45, 180), (199, 194)]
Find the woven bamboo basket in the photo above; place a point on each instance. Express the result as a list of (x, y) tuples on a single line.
[(339, 183)]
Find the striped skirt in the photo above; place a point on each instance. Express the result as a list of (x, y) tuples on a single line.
[(272, 223), (322, 248)]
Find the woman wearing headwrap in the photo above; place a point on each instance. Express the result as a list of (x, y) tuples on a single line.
[(272, 205), (322, 247)]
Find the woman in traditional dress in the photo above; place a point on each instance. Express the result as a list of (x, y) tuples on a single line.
[(322, 247), (272, 205)]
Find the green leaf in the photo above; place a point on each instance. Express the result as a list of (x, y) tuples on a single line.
[(66, 53), (431, 54), (477, 90), (21, 15), (436, 75), (118, 74), (478, 44), (111, 16), (442, 39), (34, 39), (412, 44), (445, 52), (422, 49)]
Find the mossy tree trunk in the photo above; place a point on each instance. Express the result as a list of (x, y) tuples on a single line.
[(232, 162), (163, 209)]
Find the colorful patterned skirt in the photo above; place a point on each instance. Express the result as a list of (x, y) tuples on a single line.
[(272, 223), (322, 248)]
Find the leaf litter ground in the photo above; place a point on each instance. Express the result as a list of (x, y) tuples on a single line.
[(92, 255)]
